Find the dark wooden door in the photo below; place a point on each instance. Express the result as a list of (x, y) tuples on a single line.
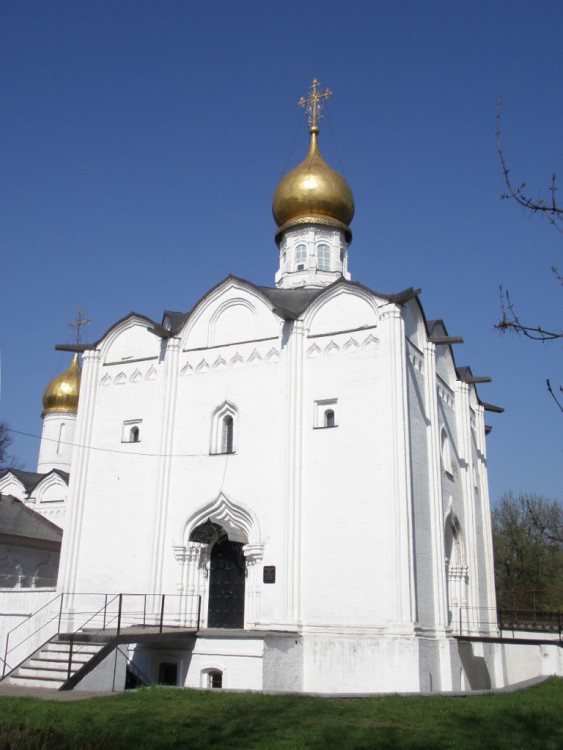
[(226, 585)]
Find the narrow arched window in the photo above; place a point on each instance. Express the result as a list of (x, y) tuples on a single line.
[(134, 434), (224, 439), (329, 418), (447, 464), (227, 434), (300, 257), (60, 440), (323, 258)]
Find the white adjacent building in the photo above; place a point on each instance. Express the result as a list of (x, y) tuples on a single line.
[(301, 469)]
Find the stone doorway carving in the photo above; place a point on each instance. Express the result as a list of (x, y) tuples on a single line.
[(239, 528)]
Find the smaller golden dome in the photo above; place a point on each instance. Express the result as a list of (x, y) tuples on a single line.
[(313, 193), (61, 395)]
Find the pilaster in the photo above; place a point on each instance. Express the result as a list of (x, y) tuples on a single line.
[(291, 579), (157, 533), (253, 554), (400, 579), (491, 599), (72, 539), (435, 504), (192, 586), (463, 423)]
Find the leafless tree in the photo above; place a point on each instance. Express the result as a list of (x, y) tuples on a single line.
[(5, 442), (547, 518), (553, 211), (528, 547), (549, 208)]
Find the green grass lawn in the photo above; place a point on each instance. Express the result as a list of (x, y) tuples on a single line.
[(170, 718)]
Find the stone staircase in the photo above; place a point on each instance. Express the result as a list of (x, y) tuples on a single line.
[(49, 666)]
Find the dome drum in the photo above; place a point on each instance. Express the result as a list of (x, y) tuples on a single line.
[(324, 221)]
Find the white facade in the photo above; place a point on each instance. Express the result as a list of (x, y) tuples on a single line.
[(380, 549), (300, 469)]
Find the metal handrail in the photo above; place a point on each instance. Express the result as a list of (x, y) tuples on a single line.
[(23, 622), (531, 619), (137, 669), (108, 619), (72, 642), (468, 620), (73, 651), (95, 614)]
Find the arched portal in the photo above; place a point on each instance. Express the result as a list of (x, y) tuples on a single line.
[(227, 577), (226, 572), (221, 561)]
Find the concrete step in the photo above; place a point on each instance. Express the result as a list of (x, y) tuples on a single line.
[(43, 672), (45, 682), (43, 660), (82, 645), (61, 653), (49, 667)]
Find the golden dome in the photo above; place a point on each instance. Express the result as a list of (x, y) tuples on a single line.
[(61, 395), (313, 193)]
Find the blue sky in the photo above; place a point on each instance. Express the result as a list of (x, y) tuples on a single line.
[(141, 143)]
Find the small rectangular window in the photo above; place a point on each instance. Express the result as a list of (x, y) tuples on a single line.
[(325, 413), (131, 431)]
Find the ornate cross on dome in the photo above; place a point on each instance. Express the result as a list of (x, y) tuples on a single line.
[(78, 323), (314, 103)]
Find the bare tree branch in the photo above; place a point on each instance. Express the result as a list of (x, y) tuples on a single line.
[(510, 321), (550, 389), (6, 460), (547, 518), (548, 208)]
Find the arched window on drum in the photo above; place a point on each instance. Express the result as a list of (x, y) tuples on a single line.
[(323, 258), (300, 257)]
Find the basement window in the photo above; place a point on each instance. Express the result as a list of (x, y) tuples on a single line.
[(212, 679), (215, 679), (168, 673)]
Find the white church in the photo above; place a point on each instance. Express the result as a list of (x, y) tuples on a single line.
[(284, 488)]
